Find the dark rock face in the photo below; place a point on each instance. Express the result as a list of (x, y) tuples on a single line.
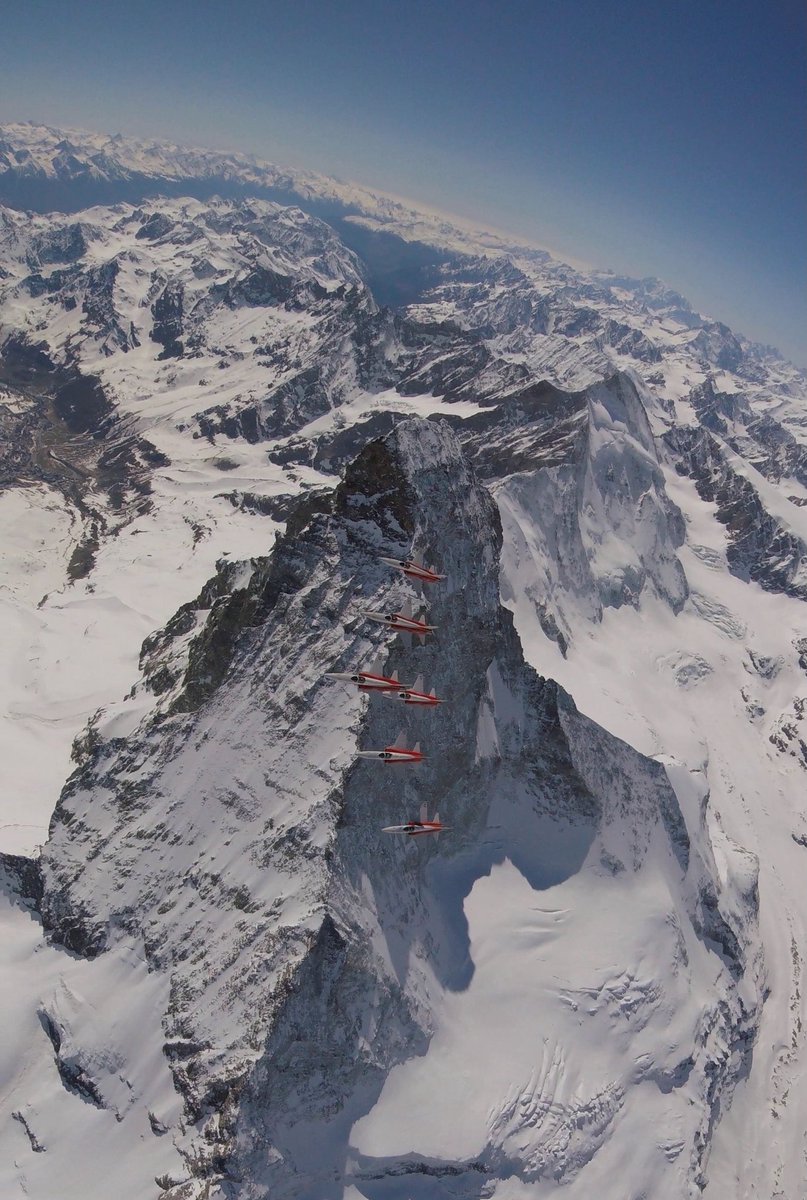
[(719, 347), (65, 245), (56, 282), (230, 611), (760, 439), (98, 305), (539, 426), (262, 286), (715, 409), (22, 876), (72, 1075), (760, 545), (776, 454), (334, 451), (69, 437), (155, 228), (167, 311), (82, 405)]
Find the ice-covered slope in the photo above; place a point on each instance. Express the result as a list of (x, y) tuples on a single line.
[(87, 1097), (598, 528)]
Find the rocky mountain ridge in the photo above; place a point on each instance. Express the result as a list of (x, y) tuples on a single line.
[(266, 852)]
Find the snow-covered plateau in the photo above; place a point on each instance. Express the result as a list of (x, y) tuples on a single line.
[(225, 391)]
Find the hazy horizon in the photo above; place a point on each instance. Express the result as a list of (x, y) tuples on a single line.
[(621, 138)]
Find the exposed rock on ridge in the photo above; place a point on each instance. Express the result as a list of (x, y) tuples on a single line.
[(761, 547)]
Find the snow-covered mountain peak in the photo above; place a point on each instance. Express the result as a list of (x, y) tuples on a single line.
[(242, 832)]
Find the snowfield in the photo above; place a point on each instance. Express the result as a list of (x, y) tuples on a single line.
[(58, 1137), (710, 688)]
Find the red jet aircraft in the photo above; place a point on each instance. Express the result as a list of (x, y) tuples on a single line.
[(370, 680), (424, 825), (414, 570), (398, 752), (415, 694), (402, 622)]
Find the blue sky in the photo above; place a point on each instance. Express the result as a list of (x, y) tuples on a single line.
[(653, 139)]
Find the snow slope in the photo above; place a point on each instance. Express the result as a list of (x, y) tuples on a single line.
[(87, 1095), (716, 688)]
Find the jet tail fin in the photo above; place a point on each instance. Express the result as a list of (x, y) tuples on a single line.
[(433, 694), (406, 610), (416, 747)]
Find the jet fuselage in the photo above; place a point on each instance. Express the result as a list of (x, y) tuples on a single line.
[(413, 828), (366, 681), (409, 696), (392, 754), (400, 622), (413, 570)]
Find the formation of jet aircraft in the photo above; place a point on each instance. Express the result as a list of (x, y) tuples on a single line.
[(372, 680)]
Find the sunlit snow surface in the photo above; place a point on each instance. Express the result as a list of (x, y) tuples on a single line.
[(685, 689), (550, 1058), (57, 1142)]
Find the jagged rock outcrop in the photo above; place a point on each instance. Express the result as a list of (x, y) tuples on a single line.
[(167, 311), (761, 546)]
